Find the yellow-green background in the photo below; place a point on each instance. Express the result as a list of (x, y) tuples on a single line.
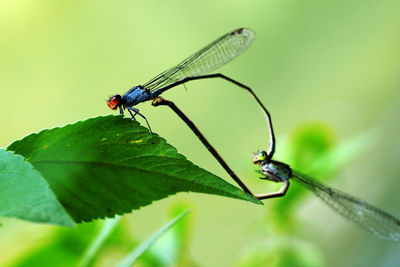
[(334, 63)]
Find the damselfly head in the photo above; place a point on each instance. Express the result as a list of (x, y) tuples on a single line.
[(114, 102), (260, 156)]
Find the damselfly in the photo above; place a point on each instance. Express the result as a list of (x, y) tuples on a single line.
[(380, 223), (195, 67)]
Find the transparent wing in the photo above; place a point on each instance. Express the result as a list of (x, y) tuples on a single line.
[(214, 55), (358, 211)]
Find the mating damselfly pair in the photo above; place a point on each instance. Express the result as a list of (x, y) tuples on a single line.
[(198, 66)]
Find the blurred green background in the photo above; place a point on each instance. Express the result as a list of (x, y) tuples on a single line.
[(327, 70)]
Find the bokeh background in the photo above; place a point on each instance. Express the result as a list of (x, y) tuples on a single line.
[(328, 71)]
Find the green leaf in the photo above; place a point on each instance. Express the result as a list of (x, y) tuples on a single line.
[(275, 252), (316, 154), (131, 258), (310, 142), (172, 248), (24, 193), (110, 165), (94, 247), (62, 247)]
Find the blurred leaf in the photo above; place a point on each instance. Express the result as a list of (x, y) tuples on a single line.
[(282, 253), (322, 159), (24, 193), (131, 258), (98, 241), (170, 249), (52, 255), (62, 249), (339, 157), (309, 142), (110, 165)]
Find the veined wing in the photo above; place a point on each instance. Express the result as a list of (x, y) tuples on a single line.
[(214, 55), (377, 221)]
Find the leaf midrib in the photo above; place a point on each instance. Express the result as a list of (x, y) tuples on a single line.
[(130, 167)]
